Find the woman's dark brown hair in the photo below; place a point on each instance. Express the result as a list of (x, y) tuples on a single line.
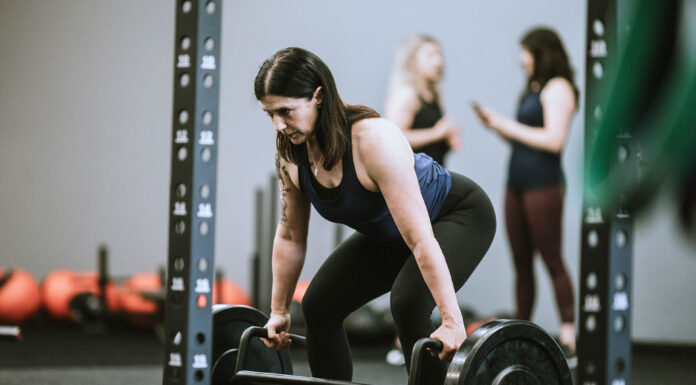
[(550, 58), (295, 72)]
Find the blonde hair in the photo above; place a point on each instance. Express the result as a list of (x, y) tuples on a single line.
[(404, 75)]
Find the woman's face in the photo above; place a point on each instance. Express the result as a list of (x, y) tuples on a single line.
[(527, 61), (292, 117), (429, 62)]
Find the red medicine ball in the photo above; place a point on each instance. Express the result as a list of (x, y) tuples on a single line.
[(20, 297)]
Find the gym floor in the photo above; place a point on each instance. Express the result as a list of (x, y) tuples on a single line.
[(67, 354)]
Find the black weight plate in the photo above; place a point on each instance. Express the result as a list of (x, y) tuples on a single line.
[(229, 322), (509, 352), (223, 368)]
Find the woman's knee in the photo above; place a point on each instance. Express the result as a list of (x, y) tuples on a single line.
[(488, 219), (314, 304), (408, 308)]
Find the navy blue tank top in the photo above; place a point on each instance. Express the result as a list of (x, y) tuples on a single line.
[(532, 168), (366, 211)]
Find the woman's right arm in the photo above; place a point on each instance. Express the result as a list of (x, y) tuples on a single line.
[(289, 248), (401, 108), (558, 102)]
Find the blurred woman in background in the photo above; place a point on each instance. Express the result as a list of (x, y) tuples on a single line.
[(414, 100), (536, 184)]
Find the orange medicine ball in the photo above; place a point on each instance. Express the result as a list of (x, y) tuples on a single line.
[(300, 290), (61, 286), (131, 298), (20, 296), (475, 325), (230, 293)]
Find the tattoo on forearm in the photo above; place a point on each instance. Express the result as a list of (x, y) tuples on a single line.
[(277, 165), (283, 189)]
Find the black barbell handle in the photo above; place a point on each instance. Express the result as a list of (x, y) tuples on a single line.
[(419, 351), (259, 331)]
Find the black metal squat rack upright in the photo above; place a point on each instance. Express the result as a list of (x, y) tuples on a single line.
[(191, 261), (604, 323)]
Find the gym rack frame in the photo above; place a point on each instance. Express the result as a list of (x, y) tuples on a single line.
[(188, 311), (604, 339)]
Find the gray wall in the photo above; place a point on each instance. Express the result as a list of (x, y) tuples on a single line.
[(85, 130)]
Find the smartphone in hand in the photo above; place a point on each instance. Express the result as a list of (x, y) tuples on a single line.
[(480, 113), (476, 106)]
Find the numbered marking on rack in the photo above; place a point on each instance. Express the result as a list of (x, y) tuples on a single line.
[(598, 49), (180, 208), (202, 285), (181, 136), (594, 215), (620, 302), (200, 361), (208, 62), (175, 359), (592, 304), (184, 61), (206, 138), (205, 210), (178, 284)]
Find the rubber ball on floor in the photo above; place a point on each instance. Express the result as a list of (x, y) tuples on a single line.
[(20, 296)]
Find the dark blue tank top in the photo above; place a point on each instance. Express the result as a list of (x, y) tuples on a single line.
[(366, 211), (531, 168)]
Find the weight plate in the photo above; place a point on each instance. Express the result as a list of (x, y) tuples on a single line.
[(509, 352), (229, 322), (223, 368)]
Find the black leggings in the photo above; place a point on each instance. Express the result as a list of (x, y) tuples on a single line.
[(363, 268)]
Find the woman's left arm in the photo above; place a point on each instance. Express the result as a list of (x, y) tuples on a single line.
[(388, 161), (558, 102)]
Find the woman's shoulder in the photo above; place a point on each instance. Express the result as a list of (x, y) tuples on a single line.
[(404, 95), (558, 88), (558, 84), (404, 91), (373, 130), (372, 125), (378, 141)]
